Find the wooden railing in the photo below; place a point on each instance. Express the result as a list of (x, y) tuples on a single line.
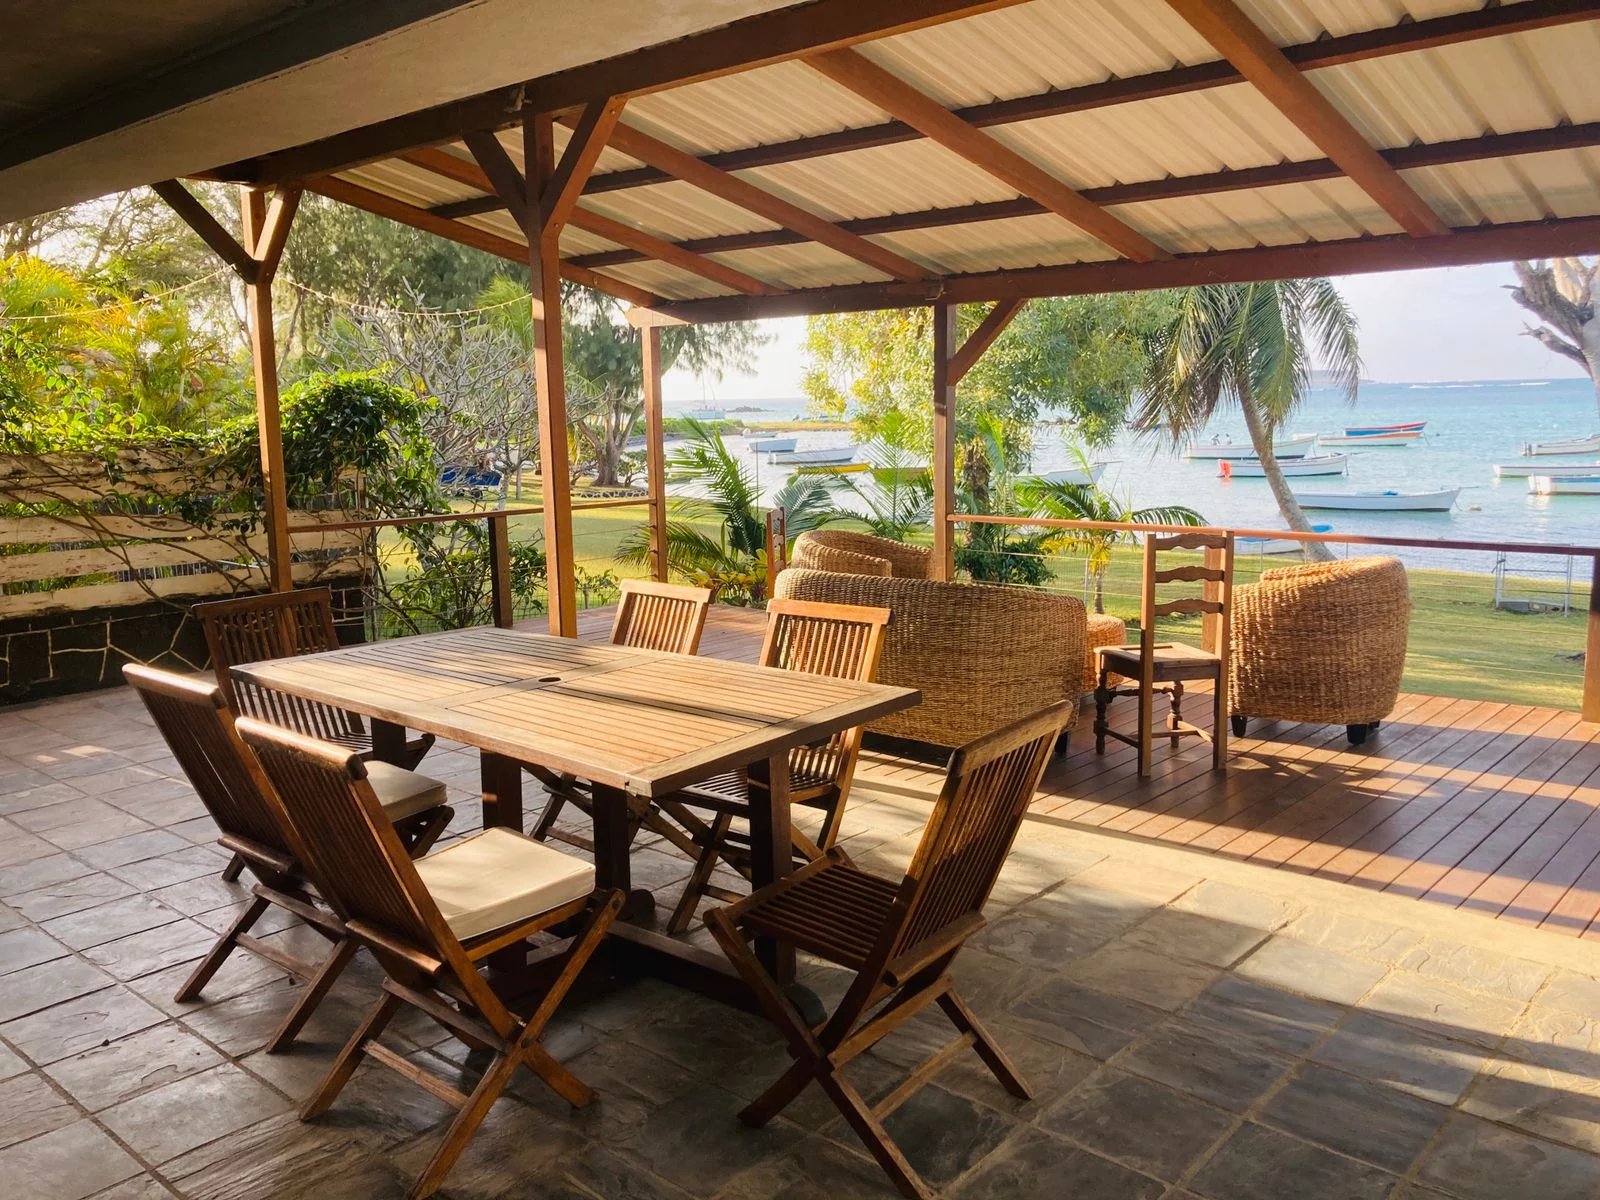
[(1590, 706)]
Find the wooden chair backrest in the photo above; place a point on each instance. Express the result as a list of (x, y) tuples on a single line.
[(351, 848), (194, 720), (986, 792), (660, 616), (1215, 576), (842, 641), (274, 625)]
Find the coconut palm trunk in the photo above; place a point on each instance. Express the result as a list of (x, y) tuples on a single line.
[(1261, 435)]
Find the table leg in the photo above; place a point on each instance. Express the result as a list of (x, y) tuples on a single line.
[(613, 840), (388, 742), (502, 791), (771, 851)]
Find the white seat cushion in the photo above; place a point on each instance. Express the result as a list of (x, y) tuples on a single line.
[(403, 793), (500, 877)]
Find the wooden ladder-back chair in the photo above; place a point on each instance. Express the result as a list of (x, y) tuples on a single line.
[(283, 625), (899, 938), (650, 616), (1152, 666), (842, 641), (431, 924), (198, 728)]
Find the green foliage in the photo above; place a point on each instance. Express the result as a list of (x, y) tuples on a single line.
[(450, 589), (895, 498)]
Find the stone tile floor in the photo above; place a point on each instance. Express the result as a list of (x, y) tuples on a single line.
[(1193, 1028)]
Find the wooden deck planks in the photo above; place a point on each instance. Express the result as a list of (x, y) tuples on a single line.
[(1491, 807)]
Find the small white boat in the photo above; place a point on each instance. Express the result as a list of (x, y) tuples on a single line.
[(1522, 470), (705, 414), (1382, 500), (1260, 545), (1565, 485), (1296, 446), (772, 445), (1579, 445), (831, 456), (1403, 438), (1370, 430), (1311, 464), (1077, 475)]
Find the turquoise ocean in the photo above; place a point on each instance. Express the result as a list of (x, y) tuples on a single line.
[(1471, 426)]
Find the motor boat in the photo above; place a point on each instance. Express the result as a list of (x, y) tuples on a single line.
[(1311, 464), (1382, 500), (1294, 446)]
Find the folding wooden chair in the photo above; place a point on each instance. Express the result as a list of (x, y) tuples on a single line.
[(199, 729), (650, 616), (431, 924), (843, 641), (900, 939), (1152, 666)]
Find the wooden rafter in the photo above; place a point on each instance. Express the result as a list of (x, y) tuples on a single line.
[(994, 323), (1406, 37), (858, 74), (1353, 256), (682, 165), (667, 252), (468, 235), (588, 139), (1174, 187), (771, 37), (1259, 59)]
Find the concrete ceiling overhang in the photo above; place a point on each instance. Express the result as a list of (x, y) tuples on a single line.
[(100, 106)]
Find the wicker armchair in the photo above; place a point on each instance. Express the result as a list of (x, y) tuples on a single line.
[(1323, 643), (851, 553), (981, 656)]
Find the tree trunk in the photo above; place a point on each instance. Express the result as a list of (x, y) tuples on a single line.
[(1293, 515)]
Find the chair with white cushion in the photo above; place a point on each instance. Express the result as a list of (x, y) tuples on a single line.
[(431, 924)]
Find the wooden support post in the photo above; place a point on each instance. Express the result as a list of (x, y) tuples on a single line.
[(777, 547), (944, 441), (550, 379), (655, 452), (501, 597), (264, 358), (1591, 657), (1211, 623)]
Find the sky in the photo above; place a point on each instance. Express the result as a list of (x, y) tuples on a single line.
[(1445, 323)]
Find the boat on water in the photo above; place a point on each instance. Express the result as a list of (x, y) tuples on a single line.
[(772, 445), (1382, 500), (1578, 445), (706, 414), (1403, 437), (1565, 485), (829, 456), (1263, 545), (1077, 475), (1522, 470), (1369, 430), (1311, 464), (849, 468), (1294, 446)]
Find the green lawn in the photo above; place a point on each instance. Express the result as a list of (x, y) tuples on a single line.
[(1461, 645)]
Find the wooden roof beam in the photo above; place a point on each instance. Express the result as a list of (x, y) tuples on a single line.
[(1406, 37), (1353, 256), (858, 74), (468, 235), (669, 253), (1426, 154), (682, 165), (1259, 59)]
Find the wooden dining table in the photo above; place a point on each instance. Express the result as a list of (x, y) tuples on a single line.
[(636, 724)]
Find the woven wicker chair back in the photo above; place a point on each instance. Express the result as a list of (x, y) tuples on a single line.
[(351, 849), (660, 616), (842, 641), (275, 625), (198, 728), (986, 793)]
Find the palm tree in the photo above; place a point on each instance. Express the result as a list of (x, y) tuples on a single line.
[(726, 492), (895, 498), (1091, 502), (1251, 343)]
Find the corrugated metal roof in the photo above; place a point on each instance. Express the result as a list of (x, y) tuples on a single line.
[(1540, 80)]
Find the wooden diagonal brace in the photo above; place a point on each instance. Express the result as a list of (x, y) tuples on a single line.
[(589, 137), (198, 218)]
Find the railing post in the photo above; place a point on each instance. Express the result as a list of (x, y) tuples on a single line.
[(655, 452), (944, 441), (1591, 656), (777, 546), (501, 600)]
